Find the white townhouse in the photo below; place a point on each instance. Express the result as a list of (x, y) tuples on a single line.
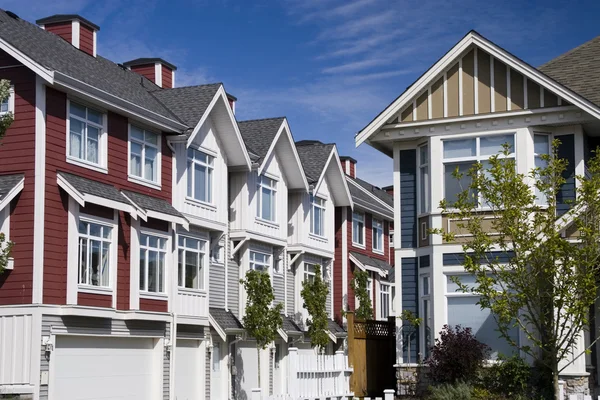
[(474, 99)]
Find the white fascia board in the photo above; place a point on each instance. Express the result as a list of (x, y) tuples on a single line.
[(366, 267), (217, 328), (169, 218), (222, 96), (332, 336), (71, 191), (359, 205), (283, 335), (111, 101), (11, 195), (139, 210), (304, 249), (334, 157), (357, 263), (110, 204), (44, 73), (370, 194)]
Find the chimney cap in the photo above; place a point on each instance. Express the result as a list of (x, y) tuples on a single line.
[(348, 158), (143, 61), (56, 18)]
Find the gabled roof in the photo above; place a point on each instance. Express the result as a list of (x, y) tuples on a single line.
[(10, 186), (85, 190), (258, 135), (336, 329), (578, 69), (376, 191), (290, 327), (224, 322), (188, 103), (365, 262), (154, 207), (366, 199)]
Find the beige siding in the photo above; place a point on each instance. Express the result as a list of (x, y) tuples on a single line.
[(407, 114), (516, 91), (437, 99), (452, 85), (533, 95), (484, 82), (500, 92), (422, 107), (468, 83)]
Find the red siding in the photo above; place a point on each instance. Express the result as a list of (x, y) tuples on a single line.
[(62, 29), (17, 155), (352, 168), (56, 211), (153, 305), (146, 70), (94, 300), (86, 39), (167, 77)]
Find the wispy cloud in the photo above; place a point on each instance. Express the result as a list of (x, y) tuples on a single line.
[(356, 65)]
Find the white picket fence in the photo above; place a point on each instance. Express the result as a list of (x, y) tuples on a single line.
[(317, 376), (257, 395)]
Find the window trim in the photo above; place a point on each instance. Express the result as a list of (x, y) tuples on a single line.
[(356, 244), (382, 249), (205, 262), (422, 187), (113, 256), (269, 268), (550, 137), (210, 182), (388, 292), (140, 179), (259, 194), (323, 208), (10, 101), (167, 252), (102, 165)]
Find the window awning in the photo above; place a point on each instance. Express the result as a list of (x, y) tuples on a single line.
[(148, 206), (84, 190), (224, 322), (10, 186), (289, 328), (367, 263)]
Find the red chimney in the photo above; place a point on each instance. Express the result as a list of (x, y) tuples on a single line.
[(157, 70), (232, 100), (349, 165), (389, 189), (75, 29)]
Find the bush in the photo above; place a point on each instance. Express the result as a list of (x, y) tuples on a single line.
[(456, 357), (446, 391), (510, 377)]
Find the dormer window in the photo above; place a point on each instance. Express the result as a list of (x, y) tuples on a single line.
[(200, 176), (144, 155), (86, 142), (317, 216), (266, 198)]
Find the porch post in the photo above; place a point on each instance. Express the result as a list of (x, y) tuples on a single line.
[(292, 370)]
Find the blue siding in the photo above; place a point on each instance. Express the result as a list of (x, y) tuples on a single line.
[(424, 261), (408, 198), (410, 303), (566, 194), (452, 259)]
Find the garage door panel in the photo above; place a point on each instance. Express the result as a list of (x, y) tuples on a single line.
[(94, 368), (189, 367)]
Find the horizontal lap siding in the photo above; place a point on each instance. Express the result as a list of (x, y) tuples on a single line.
[(62, 29), (233, 289), (94, 300), (17, 155), (154, 305), (216, 283), (146, 70), (86, 39), (291, 295), (279, 288), (167, 77), (56, 212), (408, 199), (409, 303)]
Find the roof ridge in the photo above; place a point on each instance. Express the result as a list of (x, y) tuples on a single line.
[(569, 52), (299, 143), (159, 89), (262, 119)]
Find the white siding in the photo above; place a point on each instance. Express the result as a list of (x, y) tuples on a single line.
[(15, 349)]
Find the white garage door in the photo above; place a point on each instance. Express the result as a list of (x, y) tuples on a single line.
[(189, 370), (94, 368)]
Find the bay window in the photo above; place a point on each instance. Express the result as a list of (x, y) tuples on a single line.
[(424, 179), (377, 235), (463, 154), (385, 300), (358, 228), (200, 168), (317, 217), (260, 261), (85, 133), (191, 262), (144, 154), (541, 147), (153, 252), (95, 246), (266, 198)]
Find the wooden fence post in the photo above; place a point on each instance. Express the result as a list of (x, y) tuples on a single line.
[(293, 370)]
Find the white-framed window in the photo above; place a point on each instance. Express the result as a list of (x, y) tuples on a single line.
[(385, 299), (278, 261), (377, 235), (541, 146), (191, 262), (86, 134), (216, 357), (153, 254), (266, 198), (370, 288), (144, 154), (200, 171), (424, 196), (358, 228), (260, 261), (309, 272), (8, 104), (317, 216), (426, 337), (462, 154), (95, 247)]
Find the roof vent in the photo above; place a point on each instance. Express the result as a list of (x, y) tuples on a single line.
[(75, 29), (159, 71)]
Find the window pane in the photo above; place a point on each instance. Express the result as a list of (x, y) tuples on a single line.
[(209, 186), (150, 164), (180, 267), (83, 252), (137, 133), (105, 267), (190, 178), (201, 272), (459, 148), (152, 271), (161, 272), (143, 269), (95, 230), (92, 144), (199, 182), (266, 204), (455, 186), (151, 138), (95, 258), (541, 144), (94, 116), (423, 155), (77, 110), (490, 145), (136, 159), (75, 138), (424, 190), (191, 270)]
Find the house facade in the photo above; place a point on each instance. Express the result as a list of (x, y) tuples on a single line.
[(364, 234), (477, 97)]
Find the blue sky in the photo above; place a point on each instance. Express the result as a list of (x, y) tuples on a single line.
[(330, 66)]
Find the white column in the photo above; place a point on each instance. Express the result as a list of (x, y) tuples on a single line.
[(292, 383), (340, 365), (398, 259)]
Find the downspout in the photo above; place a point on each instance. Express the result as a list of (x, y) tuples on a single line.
[(226, 261), (230, 386), (172, 344)]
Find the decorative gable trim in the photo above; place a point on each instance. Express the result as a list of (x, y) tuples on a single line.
[(334, 157)]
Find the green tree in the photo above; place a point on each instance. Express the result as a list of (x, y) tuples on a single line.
[(547, 284), (5, 121), (314, 293), (359, 285), (262, 318)]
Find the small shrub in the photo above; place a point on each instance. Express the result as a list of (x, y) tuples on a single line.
[(510, 377), (446, 391), (457, 356)]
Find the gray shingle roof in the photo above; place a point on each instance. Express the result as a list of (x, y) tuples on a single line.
[(56, 54), (8, 182), (152, 203), (188, 103), (66, 17), (313, 155), (94, 188), (391, 276), (225, 319), (336, 329), (372, 262), (579, 70), (258, 135), (289, 326), (366, 200), (378, 192), (143, 61)]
